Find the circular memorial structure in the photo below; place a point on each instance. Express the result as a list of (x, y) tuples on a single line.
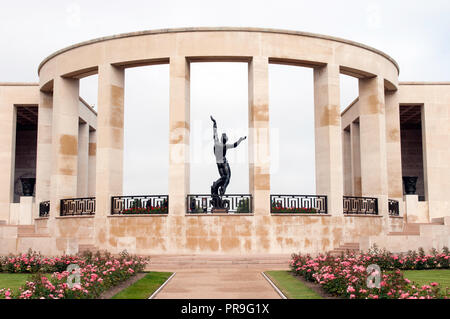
[(99, 221)]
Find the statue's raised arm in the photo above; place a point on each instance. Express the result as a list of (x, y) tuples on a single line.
[(216, 139), (235, 144)]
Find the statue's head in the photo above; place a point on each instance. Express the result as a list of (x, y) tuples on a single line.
[(224, 138)]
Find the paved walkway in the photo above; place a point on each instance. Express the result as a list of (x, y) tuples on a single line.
[(214, 283)]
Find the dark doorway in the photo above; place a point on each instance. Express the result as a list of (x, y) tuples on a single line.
[(411, 141), (26, 147)]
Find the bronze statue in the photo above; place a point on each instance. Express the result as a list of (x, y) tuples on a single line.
[(219, 187)]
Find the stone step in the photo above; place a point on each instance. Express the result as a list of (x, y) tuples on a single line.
[(353, 246), (218, 257), (32, 235), (171, 266), (439, 220), (337, 253), (25, 229), (86, 247), (179, 262), (417, 225), (43, 230), (343, 248), (411, 229), (350, 245), (219, 261), (340, 248), (407, 233), (228, 262)]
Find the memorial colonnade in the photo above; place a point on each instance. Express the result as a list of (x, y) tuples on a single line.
[(58, 134)]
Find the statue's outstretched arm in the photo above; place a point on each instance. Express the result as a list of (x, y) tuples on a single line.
[(235, 144)]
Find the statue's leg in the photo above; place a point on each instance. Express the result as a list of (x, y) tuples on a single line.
[(227, 177), (223, 174), (220, 182), (216, 187)]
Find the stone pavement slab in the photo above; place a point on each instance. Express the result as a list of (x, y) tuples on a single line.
[(213, 283)]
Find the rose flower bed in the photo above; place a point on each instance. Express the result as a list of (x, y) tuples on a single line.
[(347, 276), (97, 273)]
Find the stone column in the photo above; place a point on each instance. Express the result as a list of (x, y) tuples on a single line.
[(356, 159), (179, 126), (92, 162), (7, 154), (64, 142), (393, 147), (44, 148), (328, 138), (259, 134), (347, 161), (110, 120), (83, 160), (373, 141)]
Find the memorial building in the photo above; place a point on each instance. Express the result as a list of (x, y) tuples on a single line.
[(382, 165)]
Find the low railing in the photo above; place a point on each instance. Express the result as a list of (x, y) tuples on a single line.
[(140, 205), (360, 205), (394, 209), (77, 206), (298, 204), (44, 208), (234, 203)]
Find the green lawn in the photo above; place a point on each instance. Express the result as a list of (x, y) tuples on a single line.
[(290, 286), (14, 281), (424, 277), (144, 287)]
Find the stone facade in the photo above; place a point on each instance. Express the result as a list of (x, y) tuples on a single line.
[(80, 153)]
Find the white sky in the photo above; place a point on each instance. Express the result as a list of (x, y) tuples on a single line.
[(414, 33)]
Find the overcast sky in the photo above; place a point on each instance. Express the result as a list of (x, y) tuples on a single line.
[(415, 33)]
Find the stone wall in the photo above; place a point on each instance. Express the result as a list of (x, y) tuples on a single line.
[(435, 98), (228, 234)]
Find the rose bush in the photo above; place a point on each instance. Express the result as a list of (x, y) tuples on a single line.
[(33, 262), (348, 275), (96, 273)]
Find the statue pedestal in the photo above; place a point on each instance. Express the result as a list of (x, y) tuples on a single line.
[(219, 211)]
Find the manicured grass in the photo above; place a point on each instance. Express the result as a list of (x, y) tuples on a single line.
[(13, 281), (290, 286), (424, 277), (144, 287)]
